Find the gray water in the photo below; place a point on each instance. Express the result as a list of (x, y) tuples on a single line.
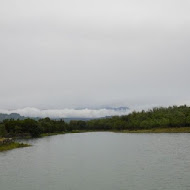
[(99, 161)]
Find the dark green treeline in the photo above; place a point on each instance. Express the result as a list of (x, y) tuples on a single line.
[(176, 116)]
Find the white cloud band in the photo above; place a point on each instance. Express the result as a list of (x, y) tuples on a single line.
[(67, 113)]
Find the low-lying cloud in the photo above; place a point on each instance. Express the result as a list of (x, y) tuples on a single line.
[(68, 113)]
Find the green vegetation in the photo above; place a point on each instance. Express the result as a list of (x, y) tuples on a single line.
[(12, 145), (160, 130), (171, 119)]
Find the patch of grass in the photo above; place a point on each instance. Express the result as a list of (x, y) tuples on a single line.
[(160, 130), (79, 131), (12, 145), (51, 134), (73, 131)]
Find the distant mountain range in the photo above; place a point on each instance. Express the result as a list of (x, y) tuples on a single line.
[(119, 110), (107, 108), (15, 116)]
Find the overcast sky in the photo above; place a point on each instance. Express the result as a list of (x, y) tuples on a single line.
[(57, 54)]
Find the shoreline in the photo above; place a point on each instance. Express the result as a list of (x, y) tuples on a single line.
[(14, 145), (160, 130), (154, 130)]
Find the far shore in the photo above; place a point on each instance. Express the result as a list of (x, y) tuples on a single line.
[(160, 130), (154, 130)]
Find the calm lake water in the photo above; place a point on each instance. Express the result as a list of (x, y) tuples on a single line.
[(99, 161)]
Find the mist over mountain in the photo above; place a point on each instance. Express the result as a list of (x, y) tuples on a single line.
[(67, 114), (118, 108)]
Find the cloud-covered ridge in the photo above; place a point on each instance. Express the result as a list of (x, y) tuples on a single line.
[(68, 113)]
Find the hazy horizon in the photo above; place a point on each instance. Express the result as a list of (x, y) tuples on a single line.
[(59, 55), (77, 113)]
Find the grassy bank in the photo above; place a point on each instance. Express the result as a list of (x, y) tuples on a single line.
[(73, 131), (51, 134), (161, 130), (12, 145), (154, 130)]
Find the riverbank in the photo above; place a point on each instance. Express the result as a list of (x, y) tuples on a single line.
[(74, 131), (154, 130), (160, 130), (13, 145)]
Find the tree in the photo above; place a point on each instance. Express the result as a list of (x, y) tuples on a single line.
[(33, 127), (3, 131)]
